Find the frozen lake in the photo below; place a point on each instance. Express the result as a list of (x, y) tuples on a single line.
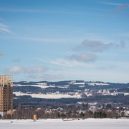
[(60, 124)]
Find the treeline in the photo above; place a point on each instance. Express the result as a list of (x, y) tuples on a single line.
[(28, 100), (63, 113)]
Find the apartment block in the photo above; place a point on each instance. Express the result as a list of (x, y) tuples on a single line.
[(6, 94)]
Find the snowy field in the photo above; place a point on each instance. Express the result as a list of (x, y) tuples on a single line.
[(71, 124), (49, 96)]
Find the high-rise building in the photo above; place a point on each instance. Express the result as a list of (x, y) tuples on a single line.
[(6, 94)]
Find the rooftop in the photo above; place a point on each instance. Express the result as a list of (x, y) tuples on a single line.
[(5, 80)]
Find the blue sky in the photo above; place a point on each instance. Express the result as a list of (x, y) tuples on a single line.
[(65, 40)]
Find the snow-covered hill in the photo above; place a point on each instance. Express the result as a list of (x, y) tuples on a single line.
[(68, 89)]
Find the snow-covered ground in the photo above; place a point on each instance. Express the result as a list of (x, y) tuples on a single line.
[(98, 84), (48, 96), (64, 124)]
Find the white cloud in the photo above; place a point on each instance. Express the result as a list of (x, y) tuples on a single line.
[(46, 76), (36, 73), (15, 70), (86, 53), (111, 3), (4, 28), (26, 70), (64, 62), (17, 10), (29, 10), (39, 39), (118, 7), (85, 57), (74, 60)]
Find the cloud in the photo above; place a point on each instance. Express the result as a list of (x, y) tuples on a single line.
[(4, 28), (16, 70), (122, 7), (82, 57), (111, 3), (67, 62), (118, 6), (18, 10), (76, 59), (31, 10), (38, 39), (63, 62), (25, 70), (86, 52), (98, 46), (35, 73), (46, 76)]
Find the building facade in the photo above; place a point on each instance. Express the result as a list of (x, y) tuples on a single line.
[(6, 94)]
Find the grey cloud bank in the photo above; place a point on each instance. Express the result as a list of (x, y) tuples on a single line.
[(98, 46)]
